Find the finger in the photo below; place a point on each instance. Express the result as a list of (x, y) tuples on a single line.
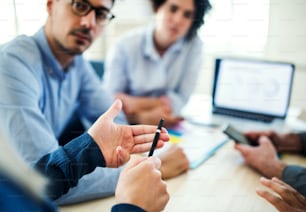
[(273, 185), (243, 149), (253, 135), (276, 186), (274, 200), (264, 140), (135, 161), (275, 179), (123, 156), (148, 138), (271, 134), (145, 147), (114, 110), (156, 161), (266, 143), (145, 129), (291, 193)]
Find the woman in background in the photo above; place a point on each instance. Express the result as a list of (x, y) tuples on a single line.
[(154, 70)]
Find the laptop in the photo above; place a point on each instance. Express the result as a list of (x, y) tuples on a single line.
[(252, 89)]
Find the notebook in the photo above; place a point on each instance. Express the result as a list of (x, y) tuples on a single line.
[(251, 88), (199, 143)]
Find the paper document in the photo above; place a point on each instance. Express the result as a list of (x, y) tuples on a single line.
[(199, 143)]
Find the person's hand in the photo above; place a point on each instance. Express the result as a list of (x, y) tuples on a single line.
[(263, 157), (174, 162), (148, 110), (136, 104), (129, 103), (117, 142), (152, 117), (287, 198), (289, 142), (140, 184)]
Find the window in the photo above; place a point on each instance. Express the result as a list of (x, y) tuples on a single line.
[(21, 17), (236, 27), (7, 21)]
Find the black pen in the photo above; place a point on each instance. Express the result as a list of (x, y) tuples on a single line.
[(156, 137)]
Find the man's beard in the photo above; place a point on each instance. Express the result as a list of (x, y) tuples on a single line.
[(73, 52)]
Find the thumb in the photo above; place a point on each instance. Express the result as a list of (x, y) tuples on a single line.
[(134, 162), (263, 140), (156, 161), (114, 110), (242, 148)]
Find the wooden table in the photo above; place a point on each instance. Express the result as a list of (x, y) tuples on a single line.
[(222, 183)]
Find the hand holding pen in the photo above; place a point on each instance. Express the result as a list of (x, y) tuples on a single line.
[(118, 142)]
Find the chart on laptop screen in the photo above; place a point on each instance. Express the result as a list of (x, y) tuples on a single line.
[(252, 85)]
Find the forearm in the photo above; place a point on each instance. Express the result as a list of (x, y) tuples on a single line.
[(136, 104), (143, 117), (296, 177), (100, 183), (65, 166), (146, 103)]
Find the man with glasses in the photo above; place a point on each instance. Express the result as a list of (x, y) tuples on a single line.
[(44, 79)]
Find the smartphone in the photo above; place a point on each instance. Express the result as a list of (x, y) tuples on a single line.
[(234, 134)]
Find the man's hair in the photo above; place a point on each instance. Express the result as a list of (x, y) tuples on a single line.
[(201, 8)]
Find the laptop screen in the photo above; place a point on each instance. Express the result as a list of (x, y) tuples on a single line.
[(252, 87)]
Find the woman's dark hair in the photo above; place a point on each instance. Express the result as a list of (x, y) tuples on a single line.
[(201, 8)]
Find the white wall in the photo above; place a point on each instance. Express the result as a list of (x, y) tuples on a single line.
[(287, 42), (287, 31)]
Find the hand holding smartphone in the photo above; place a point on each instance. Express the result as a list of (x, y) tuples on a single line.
[(237, 136)]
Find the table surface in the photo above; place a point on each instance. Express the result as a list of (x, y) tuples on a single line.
[(222, 183)]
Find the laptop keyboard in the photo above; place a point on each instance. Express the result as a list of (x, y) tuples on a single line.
[(243, 115)]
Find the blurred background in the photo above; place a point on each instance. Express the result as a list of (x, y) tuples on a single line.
[(266, 29)]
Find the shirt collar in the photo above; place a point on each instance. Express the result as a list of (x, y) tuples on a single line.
[(52, 66), (149, 48)]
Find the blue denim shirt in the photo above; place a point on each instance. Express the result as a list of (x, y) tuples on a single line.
[(296, 175), (38, 97)]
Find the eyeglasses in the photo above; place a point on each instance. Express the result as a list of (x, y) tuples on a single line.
[(83, 8)]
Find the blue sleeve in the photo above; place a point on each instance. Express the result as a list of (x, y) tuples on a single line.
[(126, 208), (95, 98), (28, 129), (13, 197), (20, 90), (116, 77), (296, 177), (65, 166)]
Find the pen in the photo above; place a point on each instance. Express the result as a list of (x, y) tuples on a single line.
[(156, 137)]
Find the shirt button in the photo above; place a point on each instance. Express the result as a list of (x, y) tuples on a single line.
[(50, 71)]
